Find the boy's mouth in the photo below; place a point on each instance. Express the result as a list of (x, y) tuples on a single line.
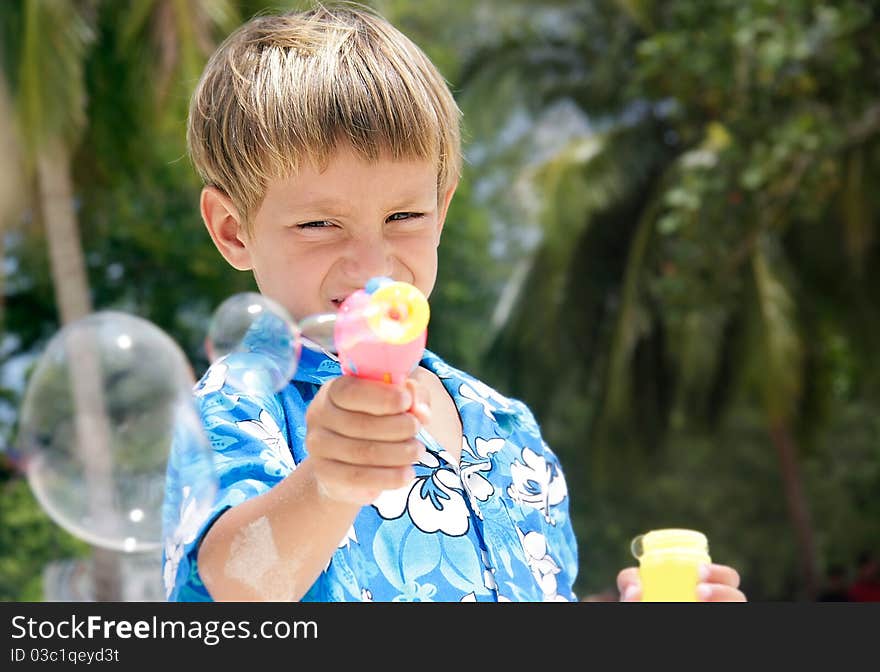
[(339, 300)]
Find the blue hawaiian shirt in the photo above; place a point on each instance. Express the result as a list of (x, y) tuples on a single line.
[(493, 526)]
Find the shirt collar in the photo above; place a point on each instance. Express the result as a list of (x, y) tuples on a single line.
[(316, 365)]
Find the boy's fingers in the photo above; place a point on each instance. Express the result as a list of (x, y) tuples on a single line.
[(324, 443), (356, 425), (713, 573), (626, 578), (633, 593), (719, 592), (369, 396), (718, 583)]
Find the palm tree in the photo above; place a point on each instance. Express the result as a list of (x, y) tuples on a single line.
[(57, 38), (52, 114)]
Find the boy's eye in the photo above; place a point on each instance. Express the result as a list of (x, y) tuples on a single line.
[(314, 225), (400, 216)]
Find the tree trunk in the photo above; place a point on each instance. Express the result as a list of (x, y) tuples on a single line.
[(798, 509), (71, 288), (10, 186)]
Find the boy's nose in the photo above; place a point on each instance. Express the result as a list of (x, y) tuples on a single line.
[(368, 258)]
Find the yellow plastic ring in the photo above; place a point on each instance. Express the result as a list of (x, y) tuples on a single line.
[(399, 313)]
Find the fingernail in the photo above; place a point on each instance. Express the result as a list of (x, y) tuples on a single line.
[(704, 591), (703, 572), (423, 409), (630, 593)]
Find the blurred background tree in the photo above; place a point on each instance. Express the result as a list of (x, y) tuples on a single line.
[(707, 275), (664, 242)]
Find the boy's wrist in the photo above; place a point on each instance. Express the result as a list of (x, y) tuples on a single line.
[(322, 496)]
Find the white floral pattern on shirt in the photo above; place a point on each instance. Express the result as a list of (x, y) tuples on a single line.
[(433, 501), (536, 483)]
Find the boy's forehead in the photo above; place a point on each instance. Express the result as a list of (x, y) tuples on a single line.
[(346, 179)]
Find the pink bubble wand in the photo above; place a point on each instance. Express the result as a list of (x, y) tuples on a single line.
[(380, 331)]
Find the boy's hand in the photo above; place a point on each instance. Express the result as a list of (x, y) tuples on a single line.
[(360, 435), (718, 583)]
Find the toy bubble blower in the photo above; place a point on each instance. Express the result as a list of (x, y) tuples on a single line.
[(381, 330)]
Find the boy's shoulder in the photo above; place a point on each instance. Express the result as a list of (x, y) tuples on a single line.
[(235, 386), (470, 388), (254, 375)]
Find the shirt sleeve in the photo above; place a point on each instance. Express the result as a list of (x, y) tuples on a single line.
[(565, 542), (250, 453), (561, 542)]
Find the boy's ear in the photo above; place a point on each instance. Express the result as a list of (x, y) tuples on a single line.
[(444, 208), (224, 224)]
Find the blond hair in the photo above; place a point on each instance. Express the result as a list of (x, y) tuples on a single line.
[(286, 88)]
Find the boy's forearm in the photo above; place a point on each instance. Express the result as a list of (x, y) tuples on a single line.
[(273, 547)]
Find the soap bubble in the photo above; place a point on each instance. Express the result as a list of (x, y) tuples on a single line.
[(257, 340), (320, 329), (108, 398)]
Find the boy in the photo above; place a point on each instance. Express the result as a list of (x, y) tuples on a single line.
[(329, 147)]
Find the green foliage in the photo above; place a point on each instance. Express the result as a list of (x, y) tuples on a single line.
[(28, 540), (465, 286), (727, 292)]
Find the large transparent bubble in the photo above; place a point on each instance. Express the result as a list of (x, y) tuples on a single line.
[(257, 340), (108, 399), (320, 329)]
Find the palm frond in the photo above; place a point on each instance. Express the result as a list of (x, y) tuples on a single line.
[(856, 213), (10, 180), (182, 34), (782, 351), (591, 192), (632, 321), (51, 101), (134, 22), (587, 175)]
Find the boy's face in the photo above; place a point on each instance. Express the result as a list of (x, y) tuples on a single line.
[(320, 235)]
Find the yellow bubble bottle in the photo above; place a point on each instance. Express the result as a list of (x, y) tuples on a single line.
[(669, 562)]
